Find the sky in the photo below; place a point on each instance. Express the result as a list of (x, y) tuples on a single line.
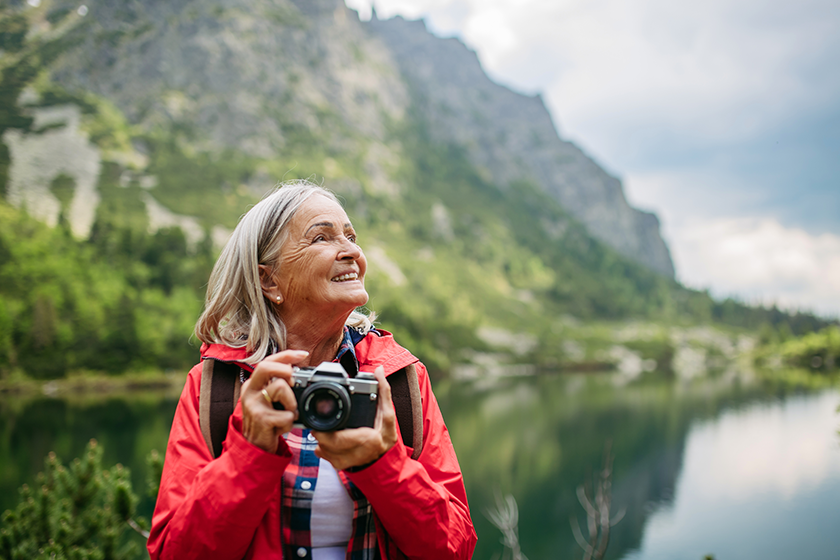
[(721, 117)]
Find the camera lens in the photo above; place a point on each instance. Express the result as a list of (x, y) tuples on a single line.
[(325, 406)]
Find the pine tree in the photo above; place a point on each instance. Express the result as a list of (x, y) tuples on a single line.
[(77, 512)]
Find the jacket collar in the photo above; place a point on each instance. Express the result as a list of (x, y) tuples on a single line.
[(226, 354), (377, 348)]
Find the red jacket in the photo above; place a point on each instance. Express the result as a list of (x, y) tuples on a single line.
[(230, 507)]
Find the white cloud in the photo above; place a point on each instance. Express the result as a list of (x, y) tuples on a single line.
[(754, 258), (759, 260), (492, 29), (717, 245)]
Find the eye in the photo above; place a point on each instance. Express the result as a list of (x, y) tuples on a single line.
[(319, 237), (352, 238)]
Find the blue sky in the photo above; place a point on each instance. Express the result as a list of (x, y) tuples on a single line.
[(722, 117)]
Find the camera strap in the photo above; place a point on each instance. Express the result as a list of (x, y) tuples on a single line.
[(219, 393)]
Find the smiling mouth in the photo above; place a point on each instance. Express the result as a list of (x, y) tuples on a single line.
[(345, 277)]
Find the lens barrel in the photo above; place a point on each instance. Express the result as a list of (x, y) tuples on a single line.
[(324, 406)]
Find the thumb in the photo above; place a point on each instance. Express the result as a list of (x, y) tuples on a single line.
[(384, 386)]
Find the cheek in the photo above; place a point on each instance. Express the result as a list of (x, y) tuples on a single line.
[(298, 271), (362, 262)]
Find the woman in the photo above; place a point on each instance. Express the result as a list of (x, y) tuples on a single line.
[(284, 293)]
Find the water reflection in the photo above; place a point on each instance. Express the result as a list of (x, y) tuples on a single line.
[(714, 465), (129, 427), (762, 482), (538, 438)]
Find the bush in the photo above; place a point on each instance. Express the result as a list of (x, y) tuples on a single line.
[(77, 512)]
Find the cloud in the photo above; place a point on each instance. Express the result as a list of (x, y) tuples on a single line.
[(722, 239), (756, 259)]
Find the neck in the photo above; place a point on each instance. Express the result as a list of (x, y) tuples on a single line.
[(321, 340)]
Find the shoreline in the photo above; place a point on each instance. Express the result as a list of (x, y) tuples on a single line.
[(93, 384)]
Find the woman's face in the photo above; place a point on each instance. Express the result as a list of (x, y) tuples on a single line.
[(322, 269)]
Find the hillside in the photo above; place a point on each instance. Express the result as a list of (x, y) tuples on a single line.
[(510, 137), (139, 133)]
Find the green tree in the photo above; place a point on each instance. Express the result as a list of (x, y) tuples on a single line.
[(78, 512)]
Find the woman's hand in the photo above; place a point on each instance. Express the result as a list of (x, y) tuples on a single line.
[(261, 424), (360, 446)]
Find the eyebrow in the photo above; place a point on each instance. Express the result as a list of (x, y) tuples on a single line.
[(348, 225)]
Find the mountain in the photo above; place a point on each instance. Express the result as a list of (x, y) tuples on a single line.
[(140, 132), (245, 75), (511, 137)]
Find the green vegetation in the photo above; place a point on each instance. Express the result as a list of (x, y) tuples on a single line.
[(816, 351), (78, 512), (120, 301), (524, 264), (126, 299)]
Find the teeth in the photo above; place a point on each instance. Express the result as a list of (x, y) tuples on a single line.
[(345, 277)]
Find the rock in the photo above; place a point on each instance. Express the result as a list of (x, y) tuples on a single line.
[(38, 158)]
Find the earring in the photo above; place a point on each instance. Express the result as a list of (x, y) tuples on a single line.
[(278, 299)]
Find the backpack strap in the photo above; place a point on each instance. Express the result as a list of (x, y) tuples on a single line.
[(408, 406), (219, 393), (218, 396)]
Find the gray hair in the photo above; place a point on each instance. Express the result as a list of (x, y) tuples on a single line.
[(236, 312)]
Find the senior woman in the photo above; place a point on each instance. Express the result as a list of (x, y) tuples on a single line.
[(284, 293)]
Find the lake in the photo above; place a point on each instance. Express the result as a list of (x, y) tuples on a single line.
[(730, 465)]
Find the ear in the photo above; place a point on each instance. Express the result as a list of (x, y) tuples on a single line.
[(269, 285)]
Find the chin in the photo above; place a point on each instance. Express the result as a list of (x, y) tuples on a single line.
[(362, 299), (357, 297)]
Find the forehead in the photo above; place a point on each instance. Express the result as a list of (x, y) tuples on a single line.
[(317, 209)]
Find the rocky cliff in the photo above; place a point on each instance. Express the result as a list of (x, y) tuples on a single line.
[(254, 76), (512, 137), (241, 74)]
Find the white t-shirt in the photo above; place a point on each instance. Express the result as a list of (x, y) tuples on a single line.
[(331, 521)]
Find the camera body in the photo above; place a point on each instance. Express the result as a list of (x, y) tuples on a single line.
[(329, 400)]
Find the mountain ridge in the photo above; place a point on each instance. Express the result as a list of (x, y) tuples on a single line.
[(219, 68)]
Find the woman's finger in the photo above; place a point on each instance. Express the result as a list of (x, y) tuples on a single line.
[(385, 407), (264, 428), (280, 391), (276, 365), (261, 423), (281, 419), (349, 448)]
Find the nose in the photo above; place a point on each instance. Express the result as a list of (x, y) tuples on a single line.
[(349, 250)]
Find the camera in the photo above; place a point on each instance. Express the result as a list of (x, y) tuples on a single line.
[(329, 400)]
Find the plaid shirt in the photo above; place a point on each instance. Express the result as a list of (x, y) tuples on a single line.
[(296, 507)]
